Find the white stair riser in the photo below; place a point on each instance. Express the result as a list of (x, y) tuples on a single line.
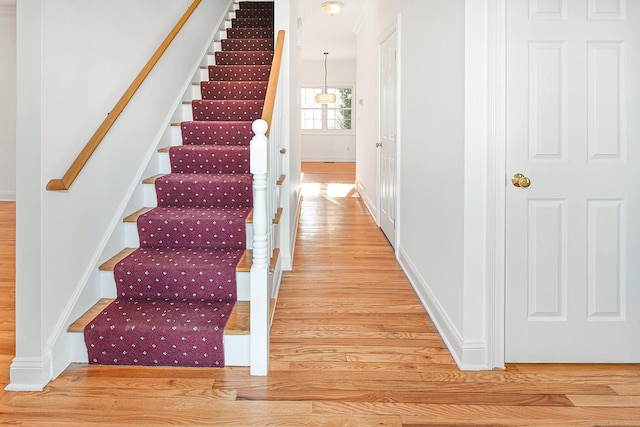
[(237, 350), (187, 113), (204, 74), (195, 91), (149, 194)]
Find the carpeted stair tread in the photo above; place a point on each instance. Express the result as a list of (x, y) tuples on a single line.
[(252, 22), (237, 324), (254, 13), (264, 44), (210, 159), (199, 274), (193, 227), (238, 90), (249, 33), (216, 133), (226, 110), (204, 190), (244, 58), (239, 72), (256, 5), (159, 333)]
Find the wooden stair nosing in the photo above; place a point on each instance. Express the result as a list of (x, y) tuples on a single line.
[(110, 264), (152, 179), (278, 216), (244, 266), (275, 220), (134, 216), (79, 325), (239, 322)]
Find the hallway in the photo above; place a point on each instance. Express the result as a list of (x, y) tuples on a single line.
[(350, 345)]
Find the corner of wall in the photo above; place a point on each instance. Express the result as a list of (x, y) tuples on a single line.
[(469, 354)]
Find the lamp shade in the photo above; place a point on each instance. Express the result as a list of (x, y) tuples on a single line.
[(331, 7), (325, 98)]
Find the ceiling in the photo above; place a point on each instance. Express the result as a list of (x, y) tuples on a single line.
[(321, 32)]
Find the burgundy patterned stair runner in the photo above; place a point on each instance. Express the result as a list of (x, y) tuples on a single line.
[(176, 292)]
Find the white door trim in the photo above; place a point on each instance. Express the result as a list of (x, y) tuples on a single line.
[(491, 28), (497, 63)]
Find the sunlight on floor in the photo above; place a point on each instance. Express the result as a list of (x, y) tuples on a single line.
[(340, 190), (335, 183), (313, 189)]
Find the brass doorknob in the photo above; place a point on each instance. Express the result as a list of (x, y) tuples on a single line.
[(519, 180)]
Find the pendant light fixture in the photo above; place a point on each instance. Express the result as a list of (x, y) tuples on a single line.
[(331, 7), (324, 97)]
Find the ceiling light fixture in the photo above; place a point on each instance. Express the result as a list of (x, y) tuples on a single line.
[(324, 97), (331, 7)]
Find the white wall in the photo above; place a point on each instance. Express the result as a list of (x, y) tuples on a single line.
[(7, 100), (329, 146), (437, 207), (75, 60)]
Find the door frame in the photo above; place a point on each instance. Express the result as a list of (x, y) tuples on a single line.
[(395, 27), (485, 55), (497, 121)]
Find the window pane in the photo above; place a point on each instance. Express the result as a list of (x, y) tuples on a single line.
[(343, 98), (338, 119), (336, 116), (308, 96), (311, 118)]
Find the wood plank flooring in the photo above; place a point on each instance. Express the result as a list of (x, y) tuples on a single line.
[(351, 345)]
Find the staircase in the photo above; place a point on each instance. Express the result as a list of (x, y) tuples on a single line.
[(182, 296)]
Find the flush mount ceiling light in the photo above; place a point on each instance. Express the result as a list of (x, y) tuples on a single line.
[(331, 7), (324, 97)]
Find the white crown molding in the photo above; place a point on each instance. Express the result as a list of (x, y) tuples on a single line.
[(364, 14)]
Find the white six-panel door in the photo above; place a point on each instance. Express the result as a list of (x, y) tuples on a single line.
[(387, 68), (573, 129)]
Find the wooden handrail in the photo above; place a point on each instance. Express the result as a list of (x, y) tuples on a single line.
[(74, 170), (272, 86)]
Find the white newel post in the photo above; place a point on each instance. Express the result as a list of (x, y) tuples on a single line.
[(260, 268)]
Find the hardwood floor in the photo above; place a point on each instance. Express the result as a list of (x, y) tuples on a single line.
[(351, 345)]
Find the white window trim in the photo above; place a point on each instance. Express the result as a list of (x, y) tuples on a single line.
[(325, 131)]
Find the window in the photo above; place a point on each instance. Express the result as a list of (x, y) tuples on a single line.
[(335, 116)]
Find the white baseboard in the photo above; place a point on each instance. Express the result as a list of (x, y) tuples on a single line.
[(7, 196), (469, 354), (367, 200), (287, 259), (29, 374)]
